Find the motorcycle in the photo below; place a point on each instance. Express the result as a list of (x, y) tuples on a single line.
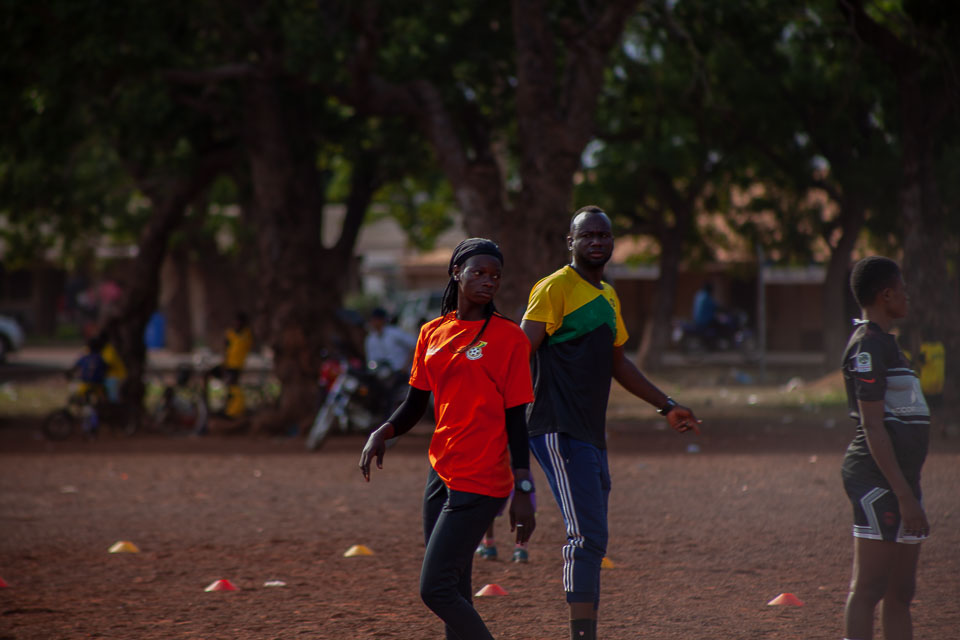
[(728, 333), (357, 401)]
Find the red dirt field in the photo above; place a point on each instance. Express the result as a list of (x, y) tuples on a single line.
[(701, 541)]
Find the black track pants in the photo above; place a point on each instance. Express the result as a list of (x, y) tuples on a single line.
[(453, 525)]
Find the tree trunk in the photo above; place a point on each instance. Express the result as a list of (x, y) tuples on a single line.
[(555, 121), (836, 324), (656, 333), (302, 283), (935, 309), (139, 301), (218, 276), (656, 330), (175, 301)]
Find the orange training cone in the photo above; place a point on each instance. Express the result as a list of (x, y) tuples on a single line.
[(607, 563), (492, 590), (358, 550), (787, 599), (220, 585), (124, 546)]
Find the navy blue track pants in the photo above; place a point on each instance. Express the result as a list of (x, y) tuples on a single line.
[(580, 480)]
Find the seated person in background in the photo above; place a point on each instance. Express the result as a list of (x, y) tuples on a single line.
[(390, 345)]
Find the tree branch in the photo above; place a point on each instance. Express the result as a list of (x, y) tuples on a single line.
[(363, 184), (475, 181), (899, 55), (583, 75), (548, 114)]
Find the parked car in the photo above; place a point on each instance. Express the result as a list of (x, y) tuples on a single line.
[(418, 307), (11, 336)]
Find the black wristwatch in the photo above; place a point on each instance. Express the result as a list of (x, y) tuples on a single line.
[(523, 486), (667, 408)]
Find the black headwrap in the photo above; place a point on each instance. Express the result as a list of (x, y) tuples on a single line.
[(463, 252), (473, 247)]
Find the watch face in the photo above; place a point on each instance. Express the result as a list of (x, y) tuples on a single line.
[(525, 486)]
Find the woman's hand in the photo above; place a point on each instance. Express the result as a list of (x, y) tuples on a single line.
[(914, 519), (521, 516), (376, 446)]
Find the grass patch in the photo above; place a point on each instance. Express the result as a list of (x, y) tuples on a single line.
[(34, 400)]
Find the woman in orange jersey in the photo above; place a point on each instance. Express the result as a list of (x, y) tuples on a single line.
[(476, 362)]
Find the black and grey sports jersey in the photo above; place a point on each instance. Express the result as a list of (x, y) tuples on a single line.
[(875, 369)]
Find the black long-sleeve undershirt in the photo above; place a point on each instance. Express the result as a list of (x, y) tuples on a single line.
[(410, 411), (415, 405), (517, 439)]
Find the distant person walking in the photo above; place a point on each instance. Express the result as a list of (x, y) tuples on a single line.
[(881, 469), (476, 363), (577, 334)]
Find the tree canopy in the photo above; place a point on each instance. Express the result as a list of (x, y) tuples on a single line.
[(813, 129)]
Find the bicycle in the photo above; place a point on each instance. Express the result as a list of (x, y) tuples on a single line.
[(179, 406), (261, 390), (86, 410)]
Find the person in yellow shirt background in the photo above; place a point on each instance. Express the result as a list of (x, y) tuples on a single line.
[(930, 366), (116, 369), (238, 340)]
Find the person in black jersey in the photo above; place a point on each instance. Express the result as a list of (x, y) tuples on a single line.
[(881, 469), (477, 364)]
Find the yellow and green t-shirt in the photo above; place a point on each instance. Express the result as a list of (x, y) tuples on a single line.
[(574, 365)]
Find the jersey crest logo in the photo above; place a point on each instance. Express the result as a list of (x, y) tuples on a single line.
[(476, 352), (864, 362)]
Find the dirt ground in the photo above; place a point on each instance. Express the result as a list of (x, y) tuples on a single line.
[(701, 541)]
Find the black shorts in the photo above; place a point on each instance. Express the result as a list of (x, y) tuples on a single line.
[(876, 512)]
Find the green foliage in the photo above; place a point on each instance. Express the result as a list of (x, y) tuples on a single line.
[(760, 106), (703, 100), (422, 207)]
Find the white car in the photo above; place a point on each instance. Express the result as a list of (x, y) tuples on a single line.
[(417, 307), (11, 336)]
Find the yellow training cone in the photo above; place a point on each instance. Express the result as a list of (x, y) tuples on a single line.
[(358, 550), (607, 563), (124, 546)]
